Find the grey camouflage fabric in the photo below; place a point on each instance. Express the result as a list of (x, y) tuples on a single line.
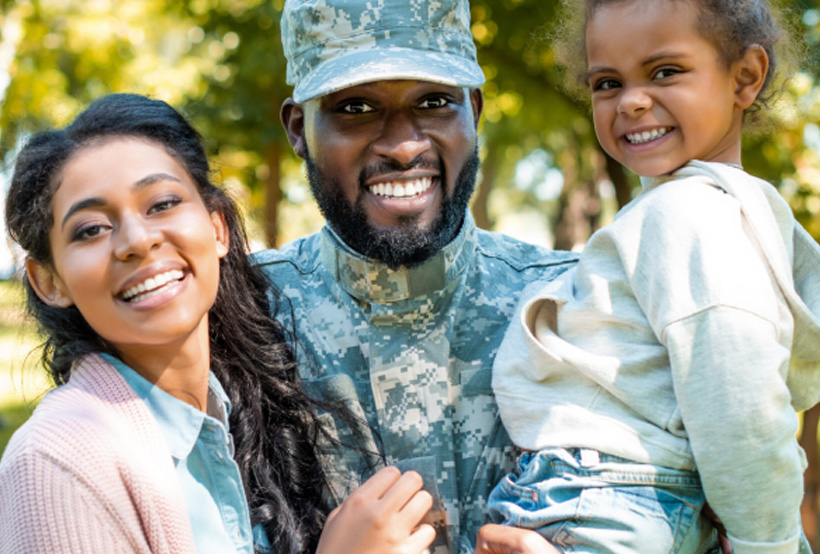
[(411, 353), (335, 44)]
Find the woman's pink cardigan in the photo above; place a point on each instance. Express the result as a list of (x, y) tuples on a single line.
[(90, 472)]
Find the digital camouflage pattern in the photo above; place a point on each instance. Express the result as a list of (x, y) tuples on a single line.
[(335, 44), (411, 352)]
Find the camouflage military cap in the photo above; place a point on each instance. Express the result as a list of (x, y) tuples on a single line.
[(335, 44)]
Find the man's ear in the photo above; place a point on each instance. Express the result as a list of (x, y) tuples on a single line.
[(223, 241), (750, 74), (293, 119), (477, 103), (47, 285)]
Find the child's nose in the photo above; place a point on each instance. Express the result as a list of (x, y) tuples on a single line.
[(634, 100)]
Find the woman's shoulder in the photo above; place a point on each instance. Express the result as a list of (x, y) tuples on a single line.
[(93, 420)]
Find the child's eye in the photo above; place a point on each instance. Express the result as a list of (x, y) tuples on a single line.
[(357, 107), (605, 84), (433, 103), (164, 204), (665, 72)]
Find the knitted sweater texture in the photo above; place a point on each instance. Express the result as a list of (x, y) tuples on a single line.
[(90, 472)]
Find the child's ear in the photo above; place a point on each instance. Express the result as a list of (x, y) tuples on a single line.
[(47, 285), (750, 74), (223, 242)]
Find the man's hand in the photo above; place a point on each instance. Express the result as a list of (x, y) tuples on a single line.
[(383, 516), (725, 545), (501, 539)]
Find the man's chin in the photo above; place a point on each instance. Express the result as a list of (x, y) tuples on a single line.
[(406, 245)]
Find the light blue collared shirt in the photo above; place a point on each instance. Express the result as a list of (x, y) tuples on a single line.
[(202, 449)]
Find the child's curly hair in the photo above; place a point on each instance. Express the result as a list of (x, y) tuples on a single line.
[(731, 25)]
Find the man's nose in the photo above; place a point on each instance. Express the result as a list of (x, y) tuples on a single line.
[(401, 139)]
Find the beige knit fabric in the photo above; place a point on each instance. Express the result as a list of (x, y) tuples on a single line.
[(90, 472)]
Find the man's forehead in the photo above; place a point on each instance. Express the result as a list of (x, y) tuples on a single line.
[(392, 87)]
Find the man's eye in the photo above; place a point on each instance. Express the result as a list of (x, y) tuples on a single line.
[(432, 103), (357, 107)]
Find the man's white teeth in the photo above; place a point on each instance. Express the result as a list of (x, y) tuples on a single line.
[(152, 285), (646, 136), (405, 189)]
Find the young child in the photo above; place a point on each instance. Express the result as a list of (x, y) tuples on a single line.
[(138, 276), (664, 371)]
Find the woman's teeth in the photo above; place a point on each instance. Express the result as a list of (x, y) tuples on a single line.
[(402, 190), (152, 285)]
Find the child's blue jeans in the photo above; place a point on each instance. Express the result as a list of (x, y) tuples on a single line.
[(585, 501)]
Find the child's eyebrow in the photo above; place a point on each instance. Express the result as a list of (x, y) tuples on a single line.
[(96, 202)]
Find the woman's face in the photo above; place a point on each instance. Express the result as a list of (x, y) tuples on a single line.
[(134, 248)]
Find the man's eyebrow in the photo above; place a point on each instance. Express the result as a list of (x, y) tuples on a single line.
[(97, 202)]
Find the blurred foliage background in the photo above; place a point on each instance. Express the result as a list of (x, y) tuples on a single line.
[(543, 179)]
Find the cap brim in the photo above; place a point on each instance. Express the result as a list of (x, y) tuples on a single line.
[(383, 64)]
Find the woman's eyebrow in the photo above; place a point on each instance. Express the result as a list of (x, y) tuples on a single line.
[(97, 202)]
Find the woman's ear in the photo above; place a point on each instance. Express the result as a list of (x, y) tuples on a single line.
[(223, 241), (47, 285), (750, 74)]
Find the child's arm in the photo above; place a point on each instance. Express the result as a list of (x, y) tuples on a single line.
[(713, 305), (737, 412)]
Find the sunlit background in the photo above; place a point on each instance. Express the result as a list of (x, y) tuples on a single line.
[(544, 179)]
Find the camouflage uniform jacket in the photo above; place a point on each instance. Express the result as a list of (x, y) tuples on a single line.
[(411, 352)]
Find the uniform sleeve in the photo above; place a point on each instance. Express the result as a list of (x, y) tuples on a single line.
[(46, 507), (737, 412)]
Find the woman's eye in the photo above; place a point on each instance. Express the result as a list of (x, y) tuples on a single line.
[(357, 107), (165, 204), (432, 103), (88, 232)]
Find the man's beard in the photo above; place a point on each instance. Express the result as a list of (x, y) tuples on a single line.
[(406, 244)]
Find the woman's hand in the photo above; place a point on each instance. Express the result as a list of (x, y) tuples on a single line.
[(383, 516), (502, 539)]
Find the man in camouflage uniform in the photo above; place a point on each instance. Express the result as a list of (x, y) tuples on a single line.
[(400, 302)]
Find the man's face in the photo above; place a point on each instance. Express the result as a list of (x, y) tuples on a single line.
[(392, 164)]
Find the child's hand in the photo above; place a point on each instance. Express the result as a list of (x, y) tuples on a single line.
[(383, 516), (501, 539)]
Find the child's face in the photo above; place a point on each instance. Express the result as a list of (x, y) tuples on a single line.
[(134, 247), (661, 95)]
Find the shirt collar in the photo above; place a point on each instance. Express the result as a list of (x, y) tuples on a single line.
[(690, 168), (373, 282), (179, 422)]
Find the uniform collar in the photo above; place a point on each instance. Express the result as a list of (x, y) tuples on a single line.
[(373, 282)]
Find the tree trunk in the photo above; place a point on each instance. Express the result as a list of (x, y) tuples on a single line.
[(623, 192), (811, 478), (480, 205), (273, 193)]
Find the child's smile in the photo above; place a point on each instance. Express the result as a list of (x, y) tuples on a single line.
[(661, 93)]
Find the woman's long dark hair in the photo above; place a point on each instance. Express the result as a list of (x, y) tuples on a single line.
[(251, 353)]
